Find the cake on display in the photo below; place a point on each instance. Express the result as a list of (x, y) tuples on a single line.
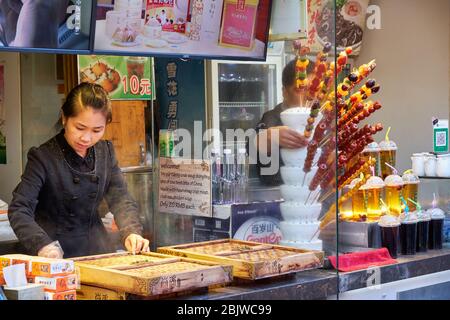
[(123, 24), (300, 223)]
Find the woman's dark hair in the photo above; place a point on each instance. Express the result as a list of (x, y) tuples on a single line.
[(87, 95), (288, 75)]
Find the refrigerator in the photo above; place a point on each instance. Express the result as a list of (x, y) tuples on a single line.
[(240, 92)]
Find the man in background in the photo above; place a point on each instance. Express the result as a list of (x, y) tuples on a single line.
[(271, 123)]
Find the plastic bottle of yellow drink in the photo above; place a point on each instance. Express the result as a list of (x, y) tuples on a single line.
[(410, 188), (372, 150), (345, 207), (358, 204), (394, 188), (373, 191), (388, 153)]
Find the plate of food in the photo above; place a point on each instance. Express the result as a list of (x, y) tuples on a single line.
[(126, 44), (173, 37), (156, 43), (126, 37)]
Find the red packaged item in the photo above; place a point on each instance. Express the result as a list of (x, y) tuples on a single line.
[(58, 284), (65, 295)]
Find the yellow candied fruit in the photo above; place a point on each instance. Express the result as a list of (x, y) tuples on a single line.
[(366, 90), (342, 92), (305, 63), (358, 96)]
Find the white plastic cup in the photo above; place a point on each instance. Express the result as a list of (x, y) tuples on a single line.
[(418, 164), (430, 166), (443, 166)]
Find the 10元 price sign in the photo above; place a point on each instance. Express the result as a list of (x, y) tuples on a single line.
[(122, 77)]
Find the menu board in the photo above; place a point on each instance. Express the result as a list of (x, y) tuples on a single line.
[(188, 28), (123, 77), (52, 25), (185, 187)]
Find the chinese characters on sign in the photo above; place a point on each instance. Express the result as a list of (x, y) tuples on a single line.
[(172, 93)]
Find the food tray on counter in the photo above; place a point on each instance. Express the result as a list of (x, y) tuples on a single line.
[(250, 260), (149, 273)]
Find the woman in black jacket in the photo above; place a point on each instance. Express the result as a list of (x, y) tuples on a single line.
[(65, 179)]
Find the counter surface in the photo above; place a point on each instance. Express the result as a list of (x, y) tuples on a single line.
[(320, 283)]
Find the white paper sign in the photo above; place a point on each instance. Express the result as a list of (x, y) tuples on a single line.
[(15, 275), (185, 187)]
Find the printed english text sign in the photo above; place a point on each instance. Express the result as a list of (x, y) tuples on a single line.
[(185, 187)]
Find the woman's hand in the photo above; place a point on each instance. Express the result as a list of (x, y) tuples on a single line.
[(52, 250), (135, 243)]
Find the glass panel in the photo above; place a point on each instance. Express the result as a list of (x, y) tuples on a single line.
[(42, 94), (270, 197), (404, 178)]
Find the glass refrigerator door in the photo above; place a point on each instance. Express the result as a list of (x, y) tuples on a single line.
[(242, 92)]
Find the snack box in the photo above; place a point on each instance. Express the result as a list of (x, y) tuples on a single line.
[(58, 284), (39, 266), (11, 259), (65, 295), (4, 262)]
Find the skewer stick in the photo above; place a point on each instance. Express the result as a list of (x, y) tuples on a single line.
[(304, 178), (306, 201), (316, 197), (314, 235)]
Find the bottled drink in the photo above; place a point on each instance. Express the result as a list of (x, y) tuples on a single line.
[(423, 227), (241, 188), (388, 153), (390, 234), (216, 176), (408, 233), (394, 187), (229, 173), (436, 228), (359, 205), (373, 191), (410, 188), (372, 151)]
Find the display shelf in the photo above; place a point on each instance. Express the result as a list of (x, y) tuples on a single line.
[(243, 104), (434, 178)]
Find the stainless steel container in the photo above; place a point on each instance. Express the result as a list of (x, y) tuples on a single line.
[(139, 182)]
